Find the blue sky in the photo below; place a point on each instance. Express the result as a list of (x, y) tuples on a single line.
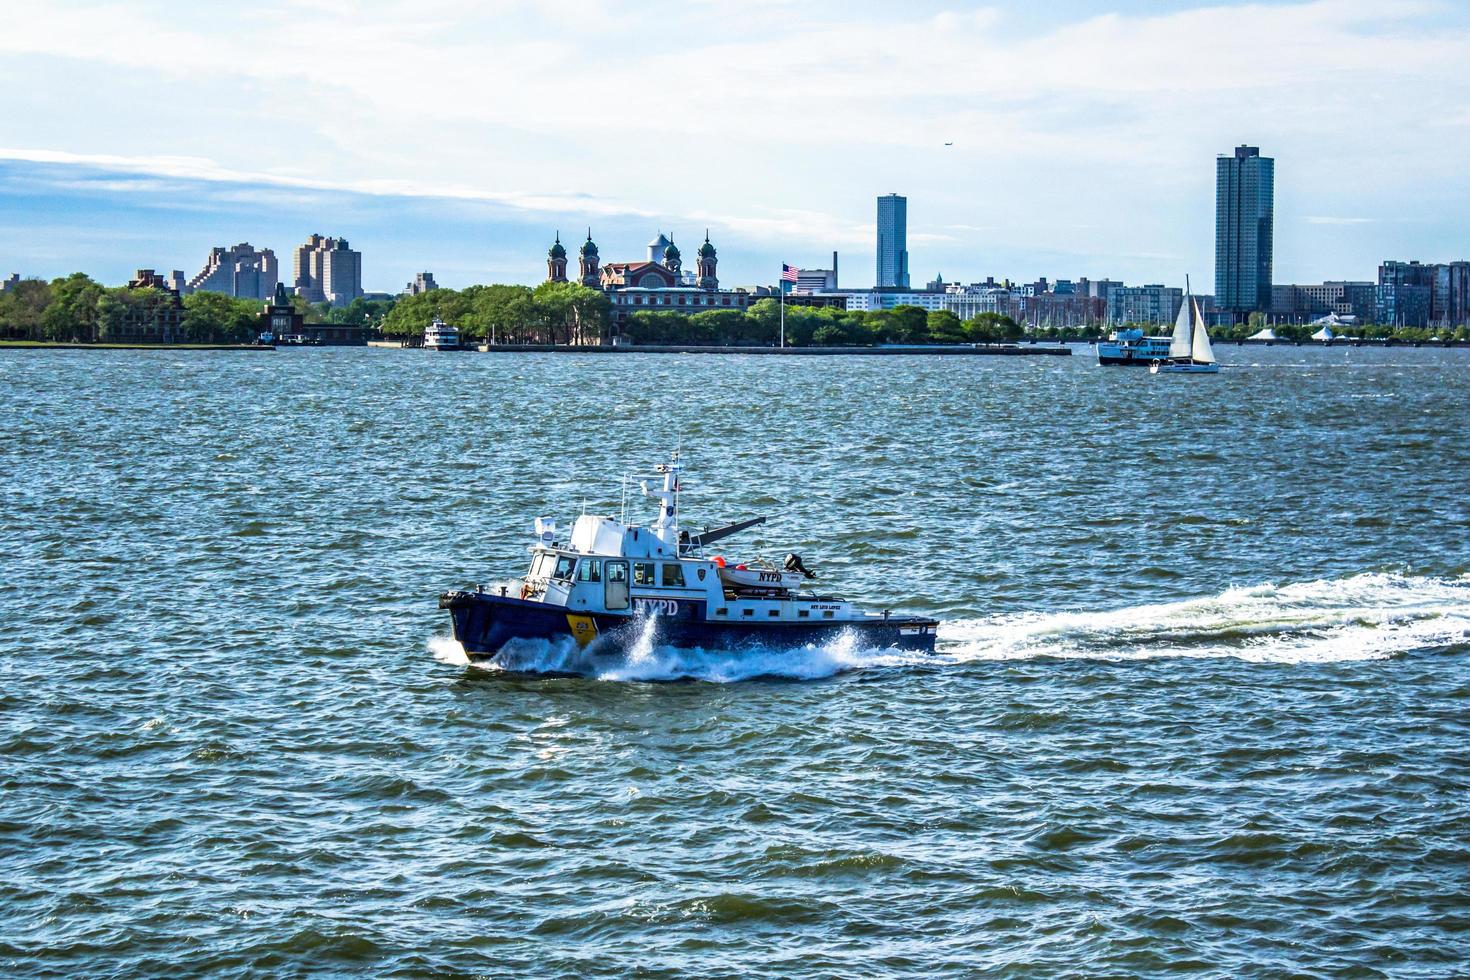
[(458, 135)]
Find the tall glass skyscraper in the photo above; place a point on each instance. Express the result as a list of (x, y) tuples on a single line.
[(1245, 219), (893, 241)]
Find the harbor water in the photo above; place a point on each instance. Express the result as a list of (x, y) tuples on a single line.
[(1199, 705)]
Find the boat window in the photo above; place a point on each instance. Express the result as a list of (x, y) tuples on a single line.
[(775, 613), (564, 566), (804, 614), (643, 573), (591, 571), (747, 612), (826, 615), (722, 612), (674, 576)]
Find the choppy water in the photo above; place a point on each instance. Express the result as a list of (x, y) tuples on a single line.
[(1200, 704)]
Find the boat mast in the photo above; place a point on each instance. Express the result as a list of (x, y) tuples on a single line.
[(666, 528)]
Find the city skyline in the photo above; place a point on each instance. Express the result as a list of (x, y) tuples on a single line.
[(1071, 167)]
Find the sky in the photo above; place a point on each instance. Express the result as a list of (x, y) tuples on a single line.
[(458, 136)]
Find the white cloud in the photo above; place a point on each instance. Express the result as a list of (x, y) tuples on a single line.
[(776, 118)]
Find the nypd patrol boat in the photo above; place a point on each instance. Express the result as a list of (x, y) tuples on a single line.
[(611, 583)]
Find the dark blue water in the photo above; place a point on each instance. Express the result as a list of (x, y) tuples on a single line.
[(1199, 707)]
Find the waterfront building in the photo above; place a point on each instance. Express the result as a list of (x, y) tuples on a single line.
[(1145, 304), (810, 282), (1245, 207), (968, 302), (1097, 288), (279, 317), (423, 282), (157, 319), (1306, 303), (1417, 294), (867, 300), (239, 270), (1401, 305), (327, 270), (893, 242), (658, 284), (10, 282)]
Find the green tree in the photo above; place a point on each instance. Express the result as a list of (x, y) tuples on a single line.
[(908, 325), (506, 313), (23, 309), (72, 313), (944, 327), (649, 327), (573, 313), (411, 315), (216, 318)]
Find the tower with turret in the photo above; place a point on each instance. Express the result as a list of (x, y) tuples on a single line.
[(588, 263), (672, 260), (556, 262), (707, 263)]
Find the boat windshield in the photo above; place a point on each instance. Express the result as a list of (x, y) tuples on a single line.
[(564, 567)]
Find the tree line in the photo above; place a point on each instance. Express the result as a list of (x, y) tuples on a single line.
[(77, 309)]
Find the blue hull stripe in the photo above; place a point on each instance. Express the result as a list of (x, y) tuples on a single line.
[(484, 624)]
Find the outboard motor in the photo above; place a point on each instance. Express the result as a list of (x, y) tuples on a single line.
[(793, 564)]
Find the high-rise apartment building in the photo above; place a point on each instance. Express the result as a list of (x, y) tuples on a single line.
[(423, 282), (1145, 304), (893, 242), (327, 270), (239, 270), (1415, 294), (1245, 211)]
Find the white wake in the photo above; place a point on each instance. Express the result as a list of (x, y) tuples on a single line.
[(1366, 617)]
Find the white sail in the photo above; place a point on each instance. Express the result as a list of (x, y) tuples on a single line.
[(1202, 352), (1182, 345)]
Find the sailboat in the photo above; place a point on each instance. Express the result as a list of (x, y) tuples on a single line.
[(1189, 350)]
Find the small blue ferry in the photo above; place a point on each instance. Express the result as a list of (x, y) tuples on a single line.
[(612, 583)]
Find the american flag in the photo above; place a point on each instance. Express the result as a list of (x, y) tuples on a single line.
[(789, 272)]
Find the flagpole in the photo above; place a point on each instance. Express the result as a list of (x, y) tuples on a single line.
[(781, 285)]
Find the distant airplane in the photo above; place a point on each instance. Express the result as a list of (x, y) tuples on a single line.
[(949, 144)]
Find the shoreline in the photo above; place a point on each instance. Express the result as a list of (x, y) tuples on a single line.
[(38, 345)]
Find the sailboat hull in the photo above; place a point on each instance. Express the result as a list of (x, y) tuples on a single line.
[(1184, 367)]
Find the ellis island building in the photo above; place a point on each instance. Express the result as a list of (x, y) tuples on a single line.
[(657, 284)]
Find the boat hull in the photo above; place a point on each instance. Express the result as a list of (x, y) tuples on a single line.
[(1124, 361), (1185, 368), (485, 623)]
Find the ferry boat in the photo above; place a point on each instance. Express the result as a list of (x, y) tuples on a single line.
[(1131, 347), (441, 336), (612, 582)]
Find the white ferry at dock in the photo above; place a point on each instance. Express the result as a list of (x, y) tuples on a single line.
[(439, 335), (611, 582)]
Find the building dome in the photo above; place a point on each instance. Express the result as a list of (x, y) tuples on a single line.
[(558, 251), (672, 252), (706, 250), (589, 247)]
